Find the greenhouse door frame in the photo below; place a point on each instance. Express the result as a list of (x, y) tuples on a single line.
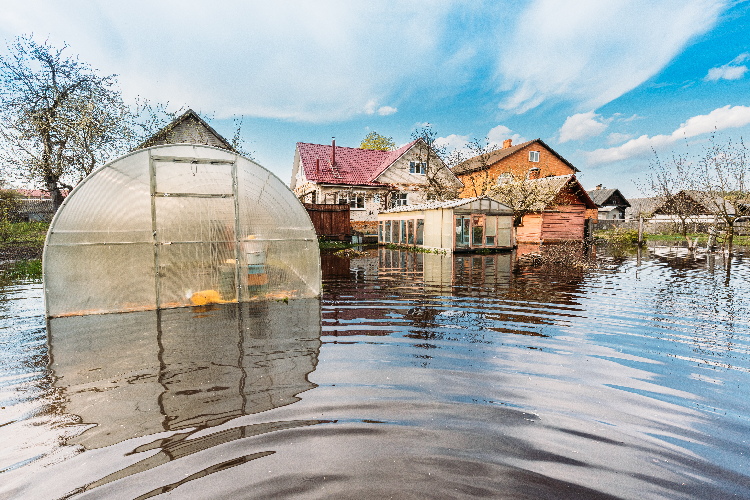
[(190, 161)]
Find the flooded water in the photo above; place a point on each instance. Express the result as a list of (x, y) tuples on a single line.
[(415, 376)]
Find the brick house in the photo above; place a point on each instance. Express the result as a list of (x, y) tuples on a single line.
[(517, 160), (367, 180)]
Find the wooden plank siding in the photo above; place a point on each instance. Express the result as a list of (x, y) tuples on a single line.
[(566, 223), (330, 221)]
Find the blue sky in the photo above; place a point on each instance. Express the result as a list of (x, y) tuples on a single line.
[(600, 82)]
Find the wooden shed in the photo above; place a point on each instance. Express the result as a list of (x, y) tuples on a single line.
[(562, 220), (457, 225)]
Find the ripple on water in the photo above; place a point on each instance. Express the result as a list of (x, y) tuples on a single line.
[(415, 375)]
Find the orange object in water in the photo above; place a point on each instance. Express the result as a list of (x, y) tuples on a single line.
[(205, 297)]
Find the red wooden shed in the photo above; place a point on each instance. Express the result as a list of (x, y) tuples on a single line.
[(564, 219)]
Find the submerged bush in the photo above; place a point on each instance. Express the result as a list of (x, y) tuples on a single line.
[(560, 257)]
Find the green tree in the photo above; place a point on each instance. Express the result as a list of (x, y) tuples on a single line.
[(378, 142)]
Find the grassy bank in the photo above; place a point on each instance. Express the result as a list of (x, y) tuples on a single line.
[(632, 234), (22, 240)]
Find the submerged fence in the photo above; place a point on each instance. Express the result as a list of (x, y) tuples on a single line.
[(330, 221)]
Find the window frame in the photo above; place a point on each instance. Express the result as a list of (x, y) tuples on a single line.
[(417, 168), (534, 156), (397, 197), (355, 196)]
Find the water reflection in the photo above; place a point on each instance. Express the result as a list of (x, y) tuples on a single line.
[(434, 376), (182, 368)]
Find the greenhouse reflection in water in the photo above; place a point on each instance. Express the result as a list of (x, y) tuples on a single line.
[(165, 376)]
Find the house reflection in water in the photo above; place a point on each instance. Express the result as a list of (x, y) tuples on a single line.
[(140, 373), (441, 273)]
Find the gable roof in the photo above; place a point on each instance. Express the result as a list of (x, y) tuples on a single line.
[(473, 164), (163, 135), (560, 182), (354, 166), (643, 206), (430, 205), (601, 196)]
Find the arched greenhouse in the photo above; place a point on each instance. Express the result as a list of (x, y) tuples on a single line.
[(178, 225)]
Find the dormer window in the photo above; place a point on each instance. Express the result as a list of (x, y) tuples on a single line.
[(416, 167), (534, 156)]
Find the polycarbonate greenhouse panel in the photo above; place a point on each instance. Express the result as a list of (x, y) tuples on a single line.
[(178, 225)]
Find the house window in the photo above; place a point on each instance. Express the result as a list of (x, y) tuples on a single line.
[(356, 201), (376, 198), (416, 167), (399, 200), (534, 156)]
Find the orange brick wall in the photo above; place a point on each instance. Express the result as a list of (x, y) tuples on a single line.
[(518, 163), (366, 227)]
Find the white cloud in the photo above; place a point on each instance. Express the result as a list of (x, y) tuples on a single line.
[(370, 107), (617, 137), (718, 119), (295, 60), (730, 71), (386, 110), (453, 142), (591, 52), (582, 126), (497, 135)]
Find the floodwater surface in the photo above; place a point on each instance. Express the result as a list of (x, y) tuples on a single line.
[(415, 376)]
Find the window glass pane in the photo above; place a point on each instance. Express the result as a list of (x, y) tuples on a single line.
[(420, 232), (403, 231), (478, 230), (380, 232), (387, 231), (490, 225), (396, 233), (411, 232), (490, 241)]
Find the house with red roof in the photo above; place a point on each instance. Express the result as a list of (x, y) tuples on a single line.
[(367, 180)]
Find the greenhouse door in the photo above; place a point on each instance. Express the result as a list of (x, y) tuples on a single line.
[(194, 217)]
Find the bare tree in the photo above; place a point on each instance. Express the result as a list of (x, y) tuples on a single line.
[(436, 172), (480, 181), (672, 183), (724, 180)]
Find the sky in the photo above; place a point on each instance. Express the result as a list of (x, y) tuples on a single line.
[(608, 85)]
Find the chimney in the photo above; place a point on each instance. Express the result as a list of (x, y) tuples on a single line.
[(598, 187), (507, 143), (534, 173), (333, 153)]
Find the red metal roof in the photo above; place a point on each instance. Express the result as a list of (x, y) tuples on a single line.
[(353, 165), (39, 194)]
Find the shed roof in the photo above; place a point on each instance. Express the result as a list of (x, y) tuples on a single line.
[(433, 205), (559, 182), (473, 164)]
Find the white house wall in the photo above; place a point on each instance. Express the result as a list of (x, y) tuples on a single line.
[(399, 174)]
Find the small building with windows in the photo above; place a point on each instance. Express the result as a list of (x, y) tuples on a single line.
[(369, 181), (466, 224)]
